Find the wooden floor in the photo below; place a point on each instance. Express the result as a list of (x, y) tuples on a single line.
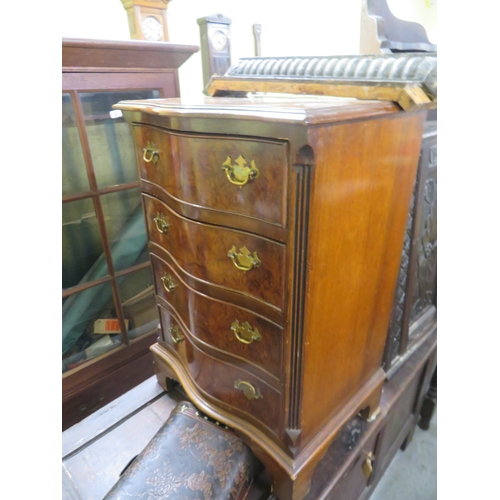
[(96, 450)]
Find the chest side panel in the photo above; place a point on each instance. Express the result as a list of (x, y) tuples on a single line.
[(361, 187)]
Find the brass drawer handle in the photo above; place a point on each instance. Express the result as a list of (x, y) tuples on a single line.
[(367, 466), (239, 174), (248, 389), (176, 334), (244, 260), (168, 283), (150, 153), (161, 223), (244, 332)]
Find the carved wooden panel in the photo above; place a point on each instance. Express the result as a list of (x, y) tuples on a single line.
[(423, 294), (396, 326), (415, 296)]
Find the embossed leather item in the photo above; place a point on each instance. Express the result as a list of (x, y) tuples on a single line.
[(189, 458)]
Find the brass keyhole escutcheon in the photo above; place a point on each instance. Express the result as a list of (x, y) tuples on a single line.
[(248, 389), (243, 260), (150, 153), (161, 223), (367, 466), (168, 283), (244, 333), (176, 334), (240, 173)]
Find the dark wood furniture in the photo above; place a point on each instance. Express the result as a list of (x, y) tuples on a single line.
[(275, 228), (106, 269), (414, 310), (361, 453), (382, 31)]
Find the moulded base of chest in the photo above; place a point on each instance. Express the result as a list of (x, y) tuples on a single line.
[(290, 469)]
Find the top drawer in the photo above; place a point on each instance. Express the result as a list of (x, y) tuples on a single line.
[(227, 174)]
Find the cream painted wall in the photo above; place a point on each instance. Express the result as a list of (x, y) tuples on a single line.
[(312, 27)]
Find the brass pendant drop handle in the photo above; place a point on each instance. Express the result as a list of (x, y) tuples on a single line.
[(248, 389), (168, 283), (243, 260), (161, 223), (367, 466), (239, 174), (176, 334), (150, 153), (244, 332)]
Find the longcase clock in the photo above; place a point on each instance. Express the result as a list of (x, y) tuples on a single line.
[(147, 19)]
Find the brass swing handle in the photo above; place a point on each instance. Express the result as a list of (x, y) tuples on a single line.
[(150, 153), (239, 174), (367, 466), (244, 332), (243, 260), (176, 334), (248, 389), (168, 283), (161, 223)]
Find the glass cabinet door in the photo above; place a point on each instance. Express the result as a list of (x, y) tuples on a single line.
[(109, 136), (108, 297), (74, 173)]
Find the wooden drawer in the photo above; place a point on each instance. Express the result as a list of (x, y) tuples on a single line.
[(356, 478), (222, 325), (195, 170), (219, 379), (202, 251)]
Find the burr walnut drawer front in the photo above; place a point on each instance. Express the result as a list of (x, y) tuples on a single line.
[(217, 323), (223, 381), (222, 173), (234, 260)]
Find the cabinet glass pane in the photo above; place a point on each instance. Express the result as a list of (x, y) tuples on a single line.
[(74, 173), (83, 258), (125, 228), (109, 136), (138, 302), (80, 326)]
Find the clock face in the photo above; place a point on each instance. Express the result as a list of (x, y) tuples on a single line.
[(152, 29), (219, 40)]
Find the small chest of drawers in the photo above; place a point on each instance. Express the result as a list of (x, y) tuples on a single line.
[(275, 228)]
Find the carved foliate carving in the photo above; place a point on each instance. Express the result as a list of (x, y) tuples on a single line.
[(425, 283), (396, 324)]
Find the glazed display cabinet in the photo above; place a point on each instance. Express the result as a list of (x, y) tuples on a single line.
[(109, 313)]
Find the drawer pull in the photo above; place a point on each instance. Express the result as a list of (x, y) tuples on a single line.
[(168, 283), (368, 465), (244, 332), (239, 174), (150, 153), (244, 260), (176, 334), (161, 224), (248, 389)]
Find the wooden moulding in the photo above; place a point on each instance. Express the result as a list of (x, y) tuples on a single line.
[(409, 97), (92, 54), (409, 80)]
